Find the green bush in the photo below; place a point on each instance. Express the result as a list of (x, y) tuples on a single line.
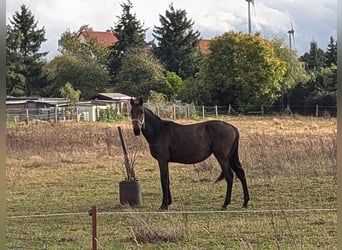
[(110, 115)]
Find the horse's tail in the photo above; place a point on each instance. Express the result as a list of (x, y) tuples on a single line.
[(233, 154)]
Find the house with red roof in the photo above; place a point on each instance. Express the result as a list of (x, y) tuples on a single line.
[(106, 38)]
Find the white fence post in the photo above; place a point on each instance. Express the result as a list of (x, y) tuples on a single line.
[(56, 113)]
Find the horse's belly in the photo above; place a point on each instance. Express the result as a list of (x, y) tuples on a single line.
[(189, 155)]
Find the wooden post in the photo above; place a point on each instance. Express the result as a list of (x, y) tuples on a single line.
[(316, 110), (262, 110), (216, 112), (124, 146), (203, 111), (94, 233), (174, 112), (27, 116)]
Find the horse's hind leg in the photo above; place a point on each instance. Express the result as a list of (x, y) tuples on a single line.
[(226, 174), (240, 173), (229, 178)]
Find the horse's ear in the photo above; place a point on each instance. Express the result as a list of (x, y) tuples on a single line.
[(141, 101), (132, 101)]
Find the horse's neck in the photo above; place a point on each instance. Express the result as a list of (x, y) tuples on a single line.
[(152, 126)]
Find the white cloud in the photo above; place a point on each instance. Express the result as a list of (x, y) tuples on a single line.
[(311, 19)]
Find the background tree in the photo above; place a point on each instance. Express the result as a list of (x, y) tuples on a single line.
[(89, 77), (177, 43), (196, 91), (331, 53), (242, 69), (82, 63), (68, 91), (24, 62), (315, 58), (295, 72), (91, 50), (140, 73), (130, 34), (321, 87)]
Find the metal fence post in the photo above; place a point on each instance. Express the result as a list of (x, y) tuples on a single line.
[(56, 113)]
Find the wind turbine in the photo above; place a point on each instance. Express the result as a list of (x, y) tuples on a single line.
[(249, 15), (291, 36)]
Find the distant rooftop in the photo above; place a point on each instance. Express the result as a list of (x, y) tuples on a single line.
[(106, 38)]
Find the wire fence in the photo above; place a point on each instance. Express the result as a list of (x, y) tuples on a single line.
[(245, 211), (57, 114)]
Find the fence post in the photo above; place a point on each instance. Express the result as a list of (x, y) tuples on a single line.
[(93, 223), (174, 112), (27, 116), (316, 110), (203, 111), (216, 112), (77, 114), (56, 111), (262, 110)]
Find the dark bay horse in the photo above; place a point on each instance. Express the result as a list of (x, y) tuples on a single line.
[(190, 144)]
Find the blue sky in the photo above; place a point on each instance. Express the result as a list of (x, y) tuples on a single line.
[(314, 19)]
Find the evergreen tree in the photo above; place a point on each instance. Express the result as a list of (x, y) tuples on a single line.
[(24, 62), (130, 34), (331, 53), (315, 58), (177, 43)]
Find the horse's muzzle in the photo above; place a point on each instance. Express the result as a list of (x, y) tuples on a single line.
[(136, 131)]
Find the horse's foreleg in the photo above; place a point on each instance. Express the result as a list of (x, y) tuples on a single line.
[(165, 184)]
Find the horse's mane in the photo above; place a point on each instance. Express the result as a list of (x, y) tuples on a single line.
[(149, 112)]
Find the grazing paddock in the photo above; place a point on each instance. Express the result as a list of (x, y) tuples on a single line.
[(55, 173)]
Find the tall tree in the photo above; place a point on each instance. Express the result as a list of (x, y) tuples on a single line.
[(140, 73), (130, 33), (315, 58), (177, 43), (24, 61), (242, 69), (321, 87), (331, 53), (89, 77), (295, 72)]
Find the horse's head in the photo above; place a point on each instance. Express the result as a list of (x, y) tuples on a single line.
[(137, 116)]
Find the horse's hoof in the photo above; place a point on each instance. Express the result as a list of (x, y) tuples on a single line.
[(163, 208), (223, 208)]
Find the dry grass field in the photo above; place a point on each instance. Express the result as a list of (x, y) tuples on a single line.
[(55, 173)]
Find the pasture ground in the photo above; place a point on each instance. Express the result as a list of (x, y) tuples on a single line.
[(55, 173)]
